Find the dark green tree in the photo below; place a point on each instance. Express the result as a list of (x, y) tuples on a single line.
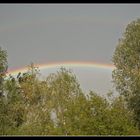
[(3, 68), (127, 62)]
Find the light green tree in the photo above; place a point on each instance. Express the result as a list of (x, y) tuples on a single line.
[(36, 103), (63, 90)]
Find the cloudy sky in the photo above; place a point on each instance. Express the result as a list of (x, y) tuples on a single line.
[(48, 33)]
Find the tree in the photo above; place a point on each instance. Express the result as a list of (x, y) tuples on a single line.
[(63, 90), (3, 68), (127, 62), (28, 84), (34, 91), (108, 118)]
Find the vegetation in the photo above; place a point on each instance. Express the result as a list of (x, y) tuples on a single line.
[(3, 68), (58, 106), (127, 73)]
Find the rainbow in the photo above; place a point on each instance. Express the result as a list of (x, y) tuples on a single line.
[(66, 65)]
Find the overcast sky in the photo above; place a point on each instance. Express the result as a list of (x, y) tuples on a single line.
[(44, 33)]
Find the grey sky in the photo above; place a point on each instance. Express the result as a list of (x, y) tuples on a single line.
[(43, 33)]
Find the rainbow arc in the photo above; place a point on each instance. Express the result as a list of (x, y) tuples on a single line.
[(65, 64)]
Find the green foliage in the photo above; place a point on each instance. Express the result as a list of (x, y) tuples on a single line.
[(127, 61), (3, 61), (3, 68), (57, 106)]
